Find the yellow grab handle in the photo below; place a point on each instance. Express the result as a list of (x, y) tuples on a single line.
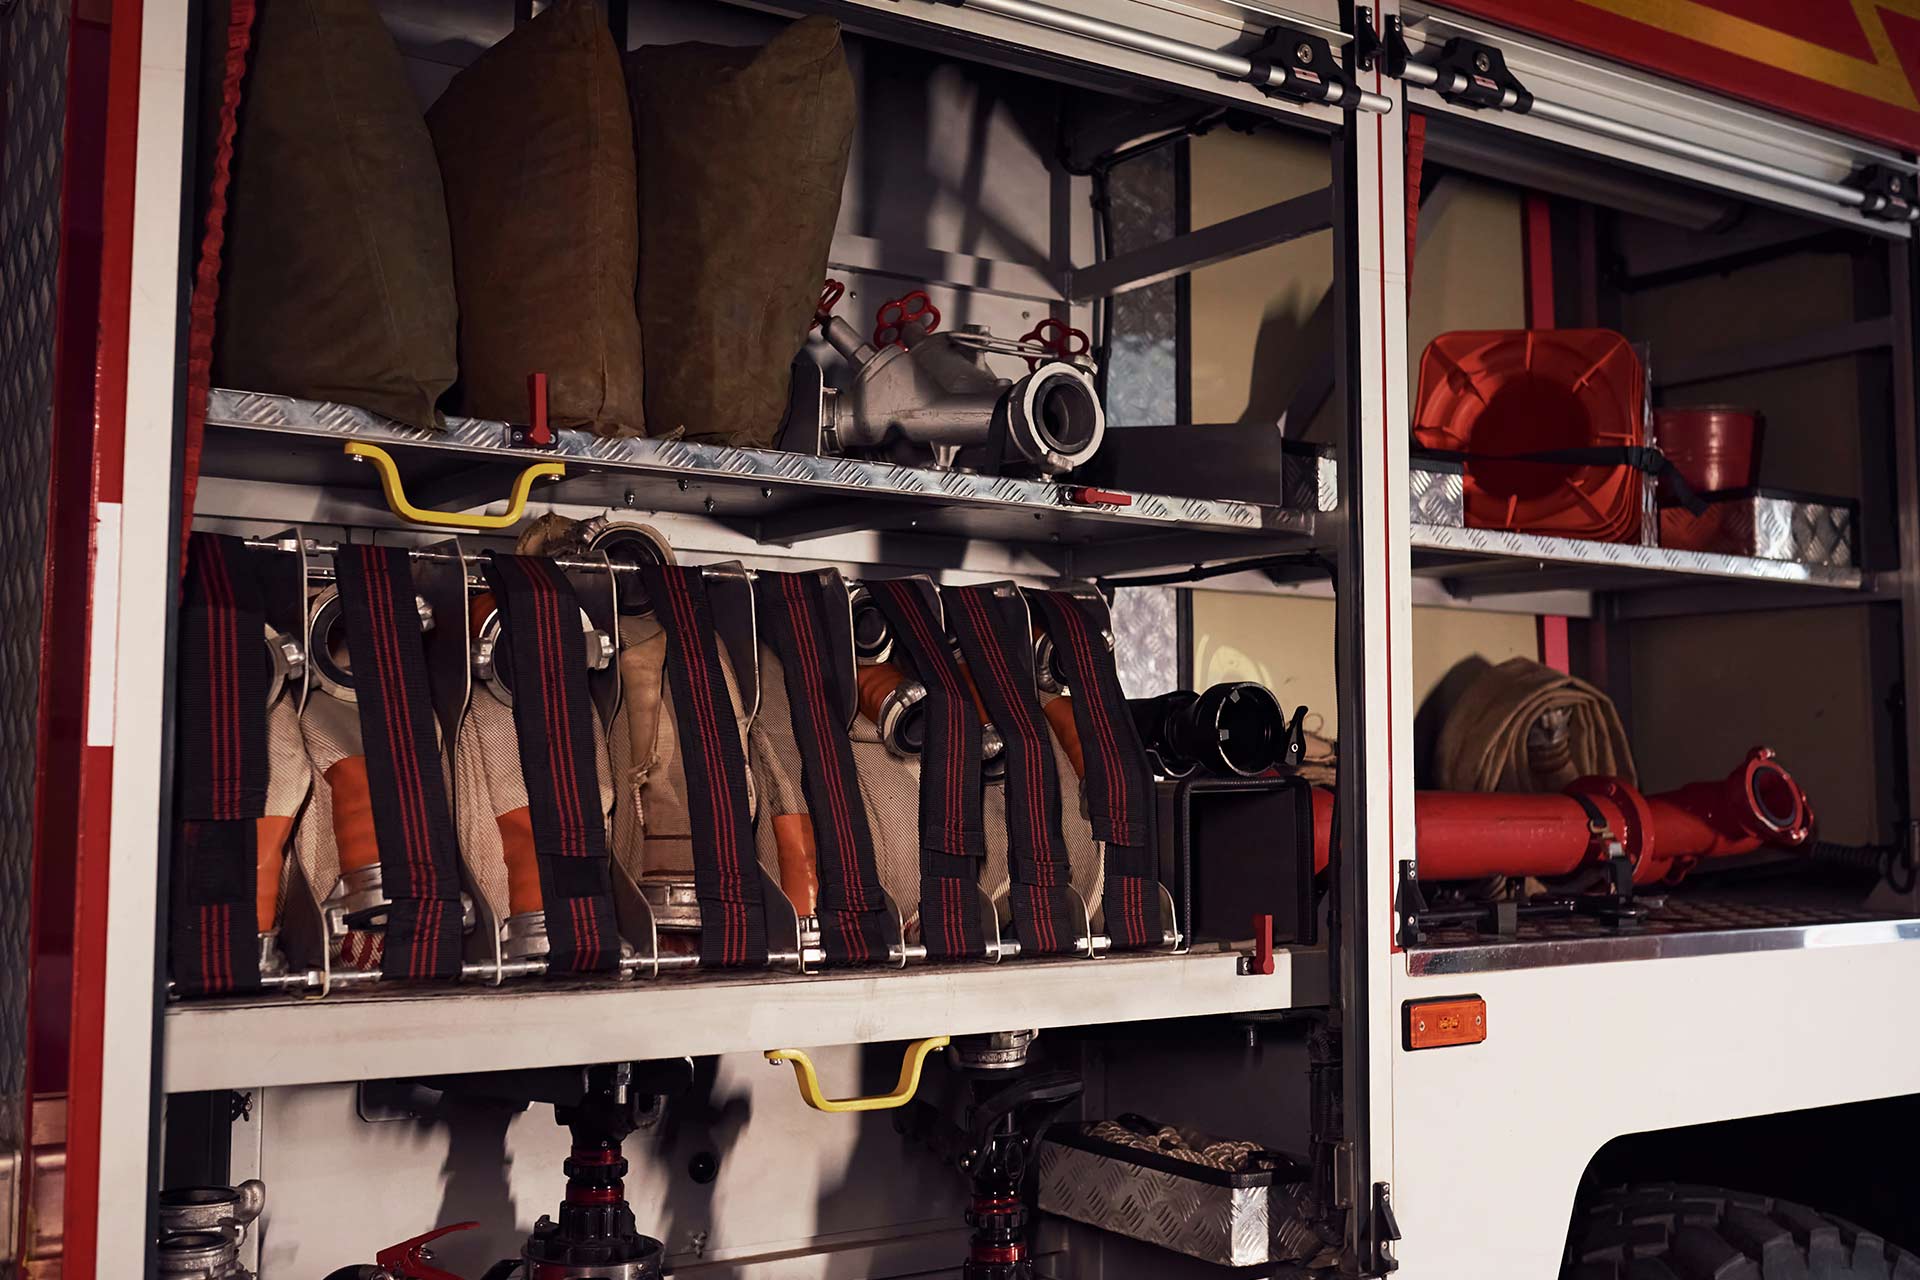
[(397, 494), (902, 1092)]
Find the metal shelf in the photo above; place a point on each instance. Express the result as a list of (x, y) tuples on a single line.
[(786, 499), (281, 1041), (1494, 562)]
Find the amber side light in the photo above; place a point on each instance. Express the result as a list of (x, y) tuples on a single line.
[(1441, 1024)]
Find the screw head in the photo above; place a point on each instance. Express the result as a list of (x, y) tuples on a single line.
[(1895, 185), (1482, 62), (1303, 53)]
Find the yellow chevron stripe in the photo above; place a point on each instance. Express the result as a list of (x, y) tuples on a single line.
[(1883, 79)]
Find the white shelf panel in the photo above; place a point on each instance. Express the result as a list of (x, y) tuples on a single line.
[(283, 1041)]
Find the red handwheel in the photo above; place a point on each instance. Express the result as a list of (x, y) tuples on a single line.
[(1061, 341), (899, 322)]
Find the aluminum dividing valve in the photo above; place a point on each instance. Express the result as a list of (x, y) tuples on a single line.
[(920, 391)]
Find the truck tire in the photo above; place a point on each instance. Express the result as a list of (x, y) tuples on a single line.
[(1664, 1231)]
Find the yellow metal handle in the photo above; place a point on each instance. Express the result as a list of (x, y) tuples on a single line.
[(902, 1092), (397, 494)]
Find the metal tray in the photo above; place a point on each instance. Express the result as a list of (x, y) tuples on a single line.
[(1232, 1219), (1771, 524)]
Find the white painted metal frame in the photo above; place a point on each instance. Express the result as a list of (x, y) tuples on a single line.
[(1375, 594), (134, 576)]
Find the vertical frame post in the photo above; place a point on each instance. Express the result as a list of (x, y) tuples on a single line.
[(1373, 636)]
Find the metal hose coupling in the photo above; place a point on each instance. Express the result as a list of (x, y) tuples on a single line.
[(1233, 729)]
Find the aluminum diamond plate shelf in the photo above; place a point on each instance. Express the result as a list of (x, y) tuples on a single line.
[(1496, 561), (784, 498)]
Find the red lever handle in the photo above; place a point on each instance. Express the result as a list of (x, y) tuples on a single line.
[(408, 1260)]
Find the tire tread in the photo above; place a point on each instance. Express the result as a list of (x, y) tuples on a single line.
[(1669, 1231)]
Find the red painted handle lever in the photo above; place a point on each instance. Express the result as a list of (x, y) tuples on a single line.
[(408, 1260)]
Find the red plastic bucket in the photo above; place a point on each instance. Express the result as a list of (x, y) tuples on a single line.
[(1715, 446)]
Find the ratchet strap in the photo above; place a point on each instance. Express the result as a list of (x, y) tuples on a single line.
[(853, 910), (726, 869), (1119, 783), (995, 637), (953, 833), (553, 722), (406, 782), (222, 785)]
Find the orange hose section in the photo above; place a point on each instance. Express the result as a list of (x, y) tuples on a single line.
[(875, 683), (478, 608), (523, 865), (353, 814), (799, 866), (270, 858), (1060, 716)]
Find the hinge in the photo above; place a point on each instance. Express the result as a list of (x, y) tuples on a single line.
[(1366, 45), (1410, 903), (1386, 1229)]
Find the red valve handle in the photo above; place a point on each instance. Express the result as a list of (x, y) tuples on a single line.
[(830, 295), (1061, 342), (408, 1259), (898, 322)]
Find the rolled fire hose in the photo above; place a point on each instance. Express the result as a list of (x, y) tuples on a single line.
[(889, 716), (335, 843), (1522, 726), (1470, 836), (491, 803)]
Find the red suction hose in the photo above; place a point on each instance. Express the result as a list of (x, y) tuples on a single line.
[(1471, 835)]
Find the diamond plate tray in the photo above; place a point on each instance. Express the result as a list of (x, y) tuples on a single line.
[(1236, 1220), (797, 496), (1602, 565), (1439, 495), (1768, 523)]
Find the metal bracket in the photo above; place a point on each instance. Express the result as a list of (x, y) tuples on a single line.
[(1890, 193), (1366, 45), (1299, 66), (1386, 1229), (1410, 903)]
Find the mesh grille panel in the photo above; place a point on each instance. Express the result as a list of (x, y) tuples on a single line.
[(33, 63)]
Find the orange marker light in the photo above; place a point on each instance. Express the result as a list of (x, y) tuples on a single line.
[(1440, 1024)]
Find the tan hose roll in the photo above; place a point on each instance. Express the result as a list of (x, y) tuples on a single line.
[(1522, 726)]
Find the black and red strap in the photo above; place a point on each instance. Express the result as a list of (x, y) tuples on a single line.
[(553, 722), (854, 919), (221, 769), (419, 870), (726, 871), (991, 626), (953, 836), (1119, 782)]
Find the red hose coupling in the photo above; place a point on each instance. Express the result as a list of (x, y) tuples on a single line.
[(1757, 806)]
